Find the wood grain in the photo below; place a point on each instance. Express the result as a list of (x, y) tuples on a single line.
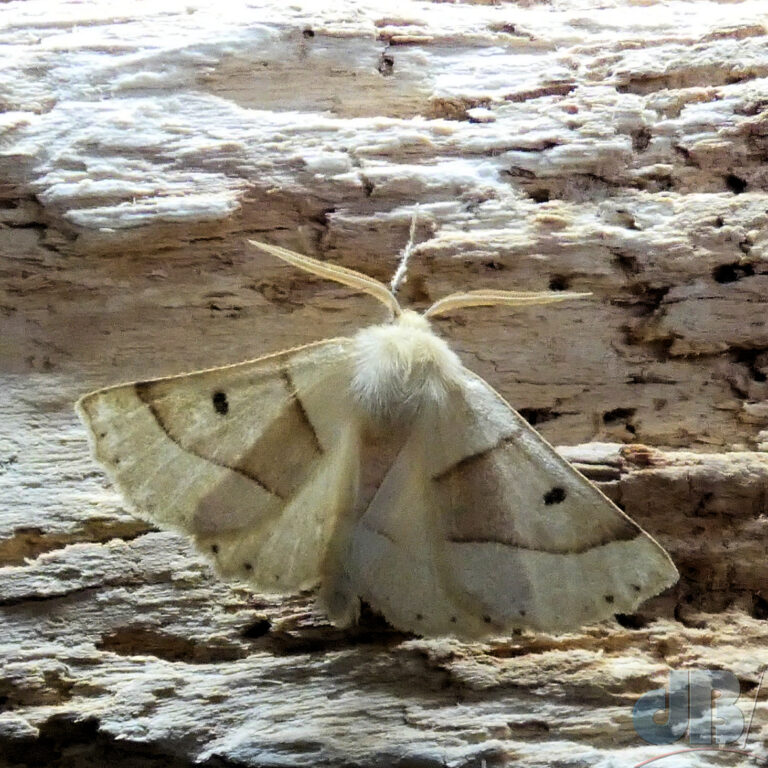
[(616, 147)]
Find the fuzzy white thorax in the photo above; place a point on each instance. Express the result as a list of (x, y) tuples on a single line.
[(401, 367)]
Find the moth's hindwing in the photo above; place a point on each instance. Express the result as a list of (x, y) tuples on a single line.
[(480, 526)]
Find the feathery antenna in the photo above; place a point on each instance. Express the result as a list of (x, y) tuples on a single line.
[(489, 298), (336, 272)]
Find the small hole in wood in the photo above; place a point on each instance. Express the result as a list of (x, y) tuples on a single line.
[(256, 629), (539, 195), (631, 621), (617, 414), (735, 183), (558, 283), (730, 273), (386, 65), (759, 607)]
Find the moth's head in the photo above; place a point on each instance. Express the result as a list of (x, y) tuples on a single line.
[(386, 294), (412, 320)]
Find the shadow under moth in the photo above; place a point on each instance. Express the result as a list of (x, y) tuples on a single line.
[(379, 469)]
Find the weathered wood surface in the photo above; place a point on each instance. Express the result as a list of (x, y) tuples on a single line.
[(617, 147), (137, 641)]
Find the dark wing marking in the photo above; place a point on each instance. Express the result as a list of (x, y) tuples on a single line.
[(483, 497), (302, 411), (144, 393)]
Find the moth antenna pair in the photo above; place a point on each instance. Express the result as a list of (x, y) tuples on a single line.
[(385, 294)]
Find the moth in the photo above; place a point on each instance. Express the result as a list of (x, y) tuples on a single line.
[(378, 469)]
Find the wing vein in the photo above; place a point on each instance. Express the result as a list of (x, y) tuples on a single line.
[(286, 374), (462, 463), (625, 536), (142, 392)]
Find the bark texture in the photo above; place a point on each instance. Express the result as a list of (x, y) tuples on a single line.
[(615, 147)]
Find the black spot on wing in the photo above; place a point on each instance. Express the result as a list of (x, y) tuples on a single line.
[(220, 404), (554, 495)]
